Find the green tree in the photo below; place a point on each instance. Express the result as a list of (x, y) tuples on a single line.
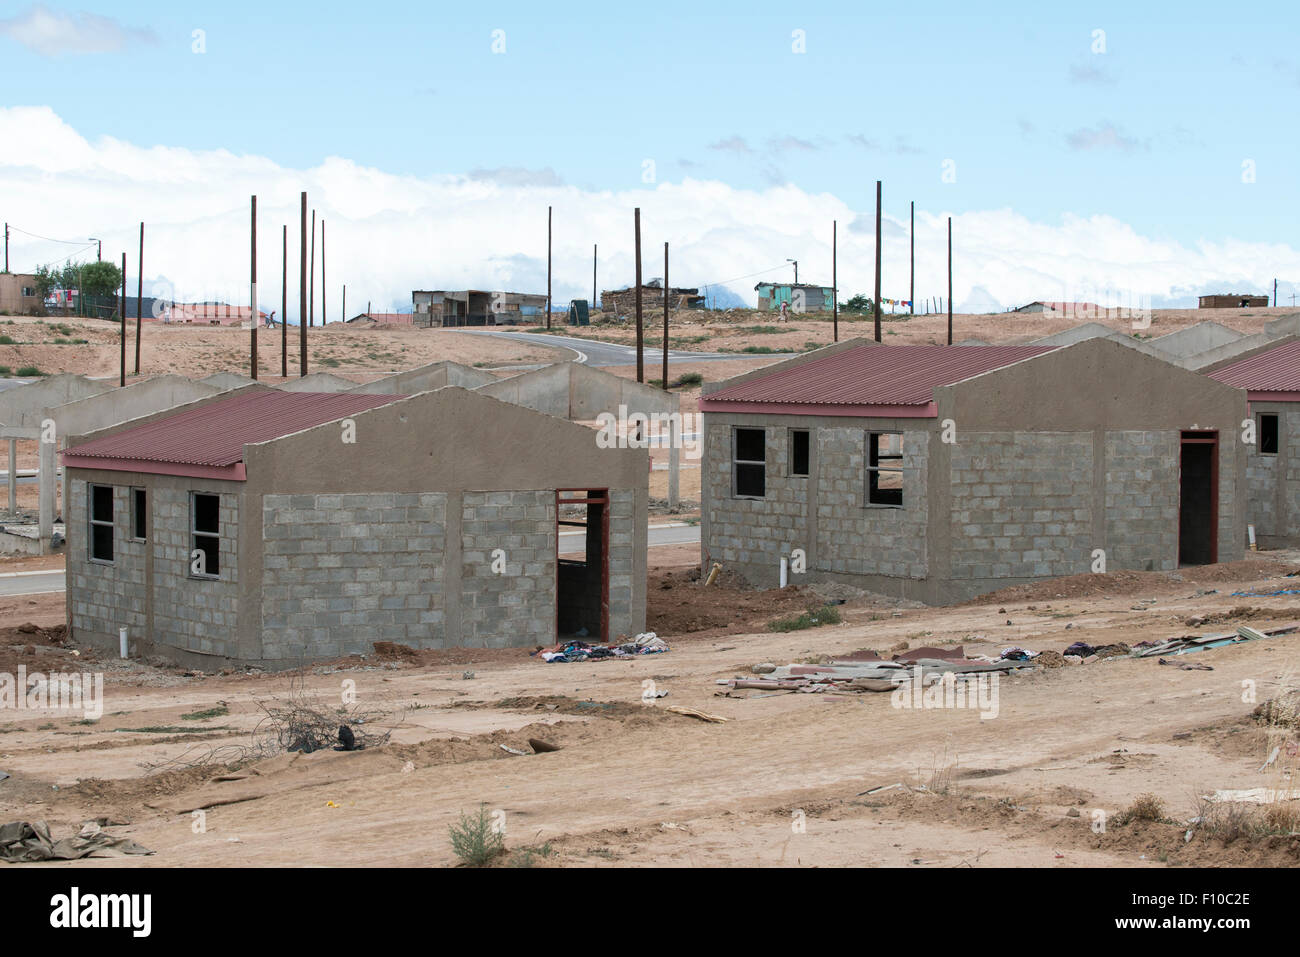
[(90, 279), (858, 303)]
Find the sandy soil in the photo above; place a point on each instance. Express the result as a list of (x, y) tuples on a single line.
[(197, 351), (781, 783), (738, 330)]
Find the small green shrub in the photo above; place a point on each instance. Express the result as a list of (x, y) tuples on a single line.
[(812, 618), (474, 840)]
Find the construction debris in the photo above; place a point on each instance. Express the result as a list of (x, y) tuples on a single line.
[(702, 715), (1186, 644), (646, 643), (23, 842)]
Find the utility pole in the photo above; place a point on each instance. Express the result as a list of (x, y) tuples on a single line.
[(139, 300), (302, 291), (593, 275), (835, 287), (311, 276), (911, 282), (548, 267), (252, 290), (666, 288), (324, 313), (284, 306), (122, 380), (1274, 283), (640, 342), (343, 313), (877, 302), (949, 280), (7, 248)]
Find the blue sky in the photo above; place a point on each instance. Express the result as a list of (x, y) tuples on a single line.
[(1154, 131)]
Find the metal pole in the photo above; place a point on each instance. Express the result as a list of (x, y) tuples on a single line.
[(7, 248), (302, 291), (593, 277), (324, 313), (311, 276), (548, 267), (877, 303), (949, 280), (666, 288), (252, 290), (640, 342), (139, 300), (284, 306), (911, 281), (835, 286), (122, 380), (343, 313)]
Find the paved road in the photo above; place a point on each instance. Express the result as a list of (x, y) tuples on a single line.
[(30, 583), (12, 383), (594, 353), (40, 583)]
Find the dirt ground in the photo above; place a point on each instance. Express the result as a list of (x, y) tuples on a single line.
[(92, 347), (740, 330), (783, 782)]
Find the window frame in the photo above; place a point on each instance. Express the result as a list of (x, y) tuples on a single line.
[(195, 534), (807, 453), (869, 470), (137, 513), (737, 462), (1277, 432), (92, 523)]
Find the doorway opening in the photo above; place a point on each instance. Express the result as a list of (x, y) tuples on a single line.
[(582, 565), (1198, 499)]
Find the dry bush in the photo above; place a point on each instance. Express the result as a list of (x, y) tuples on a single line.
[(1145, 807)]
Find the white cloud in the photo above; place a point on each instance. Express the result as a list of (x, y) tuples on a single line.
[(55, 33), (1105, 137), (389, 233)]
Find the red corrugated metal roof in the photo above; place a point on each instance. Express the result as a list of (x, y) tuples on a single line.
[(214, 434), (1274, 370), (875, 375)]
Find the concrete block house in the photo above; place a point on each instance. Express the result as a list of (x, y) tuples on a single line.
[(941, 472), (1271, 379), (271, 527)]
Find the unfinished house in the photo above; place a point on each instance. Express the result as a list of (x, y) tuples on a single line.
[(476, 307), (622, 302), (271, 527), (941, 472), (1272, 382), (49, 410)]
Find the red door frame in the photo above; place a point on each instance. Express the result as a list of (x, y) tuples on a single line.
[(599, 496), (1210, 438)]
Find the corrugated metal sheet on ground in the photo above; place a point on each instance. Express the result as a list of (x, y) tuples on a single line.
[(215, 433), (876, 375)]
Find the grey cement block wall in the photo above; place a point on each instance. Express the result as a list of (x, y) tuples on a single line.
[(1142, 496), (194, 614), (342, 571), (750, 534), (105, 597), (1273, 480), (859, 539), (623, 617), (517, 606), (1022, 504)]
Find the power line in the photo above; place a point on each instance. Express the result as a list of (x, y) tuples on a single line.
[(70, 242)]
